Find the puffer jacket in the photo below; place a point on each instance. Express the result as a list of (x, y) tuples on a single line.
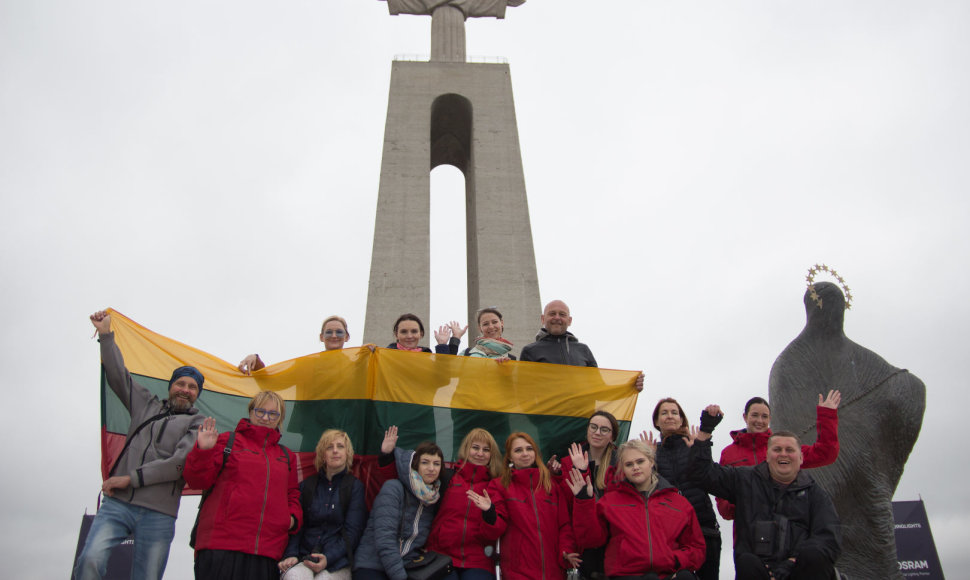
[(561, 349), (325, 529), (660, 534), (673, 456), (456, 530), (249, 506), (154, 458), (803, 510), (751, 448), (534, 526), (398, 526)]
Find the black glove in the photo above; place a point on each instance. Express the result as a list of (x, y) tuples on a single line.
[(782, 570), (709, 422)]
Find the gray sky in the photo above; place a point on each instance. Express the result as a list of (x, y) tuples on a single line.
[(211, 169)]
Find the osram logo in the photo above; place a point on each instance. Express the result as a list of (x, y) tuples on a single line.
[(914, 565)]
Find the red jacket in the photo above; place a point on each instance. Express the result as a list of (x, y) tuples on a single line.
[(456, 530), (534, 526), (249, 506), (660, 535), (751, 449)]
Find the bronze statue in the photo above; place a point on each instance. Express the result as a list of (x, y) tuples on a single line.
[(879, 422)]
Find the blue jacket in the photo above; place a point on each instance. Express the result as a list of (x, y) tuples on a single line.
[(324, 525), (398, 525)]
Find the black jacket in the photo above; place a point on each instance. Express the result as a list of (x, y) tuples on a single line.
[(802, 513), (560, 349), (673, 456)]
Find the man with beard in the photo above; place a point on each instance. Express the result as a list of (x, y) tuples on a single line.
[(145, 484)]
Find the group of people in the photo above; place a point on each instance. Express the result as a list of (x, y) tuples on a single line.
[(639, 508)]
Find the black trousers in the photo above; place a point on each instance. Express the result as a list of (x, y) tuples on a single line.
[(810, 565)]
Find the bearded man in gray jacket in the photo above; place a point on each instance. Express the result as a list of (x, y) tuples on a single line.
[(144, 486)]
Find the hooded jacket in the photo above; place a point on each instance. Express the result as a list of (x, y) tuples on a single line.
[(249, 506), (751, 448), (535, 527), (325, 529), (659, 534), (155, 457), (802, 513), (456, 530), (561, 349), (398, 526)]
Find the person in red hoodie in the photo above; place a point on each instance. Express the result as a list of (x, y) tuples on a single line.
[(666, 543), (456, 530), (751, 443), (253, 503), (529, 513)]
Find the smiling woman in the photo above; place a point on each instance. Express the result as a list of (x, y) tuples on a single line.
[(253, 502)]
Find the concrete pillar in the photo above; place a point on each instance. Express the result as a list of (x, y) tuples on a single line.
[(460, 114)]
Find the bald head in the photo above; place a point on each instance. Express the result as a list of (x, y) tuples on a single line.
[(556, 318)]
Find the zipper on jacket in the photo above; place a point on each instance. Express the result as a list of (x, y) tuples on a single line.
[(464, 523), (262, 511), (535, 510), (161, 431), (415, 528), (646, 517)]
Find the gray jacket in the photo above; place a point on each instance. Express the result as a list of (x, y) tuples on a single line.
[(395, 535), (155, 457)]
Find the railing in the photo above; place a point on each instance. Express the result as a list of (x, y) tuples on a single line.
[(474, 59)]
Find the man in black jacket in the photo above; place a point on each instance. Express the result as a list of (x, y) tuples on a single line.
[(787, 526)]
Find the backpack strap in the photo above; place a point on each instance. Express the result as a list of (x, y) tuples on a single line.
[(131, 438)]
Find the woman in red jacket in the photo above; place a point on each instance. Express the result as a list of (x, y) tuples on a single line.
[(456, 530), (254, 501), (667, 543), (529, 513), (751, 443)]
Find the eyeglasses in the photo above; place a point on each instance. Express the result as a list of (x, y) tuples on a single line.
[(337, 332), (604, 429), (264, 414)]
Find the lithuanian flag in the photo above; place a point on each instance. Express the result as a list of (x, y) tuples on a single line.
[(428, 396)]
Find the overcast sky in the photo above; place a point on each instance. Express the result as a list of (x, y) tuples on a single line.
[(210, 169)]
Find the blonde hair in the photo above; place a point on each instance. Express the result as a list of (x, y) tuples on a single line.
[(263, 396), (545, 479), (479, 435), (644, 448), (326, 440)]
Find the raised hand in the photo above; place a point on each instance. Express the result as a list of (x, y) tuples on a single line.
[(390, 440), (442, 334), (579, 457), (102, 321), (831, 401), (691, 435), (208, 434), (577, 481), (647, 437), (457, 330), (554, 465), (482, 502)]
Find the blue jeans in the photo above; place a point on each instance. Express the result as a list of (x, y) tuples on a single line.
[(116, 520)]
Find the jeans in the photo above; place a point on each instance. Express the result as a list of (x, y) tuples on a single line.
[(116, 520)]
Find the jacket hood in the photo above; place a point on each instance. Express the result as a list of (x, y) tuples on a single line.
[(625, 486), (742, 437), (257, 432)]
